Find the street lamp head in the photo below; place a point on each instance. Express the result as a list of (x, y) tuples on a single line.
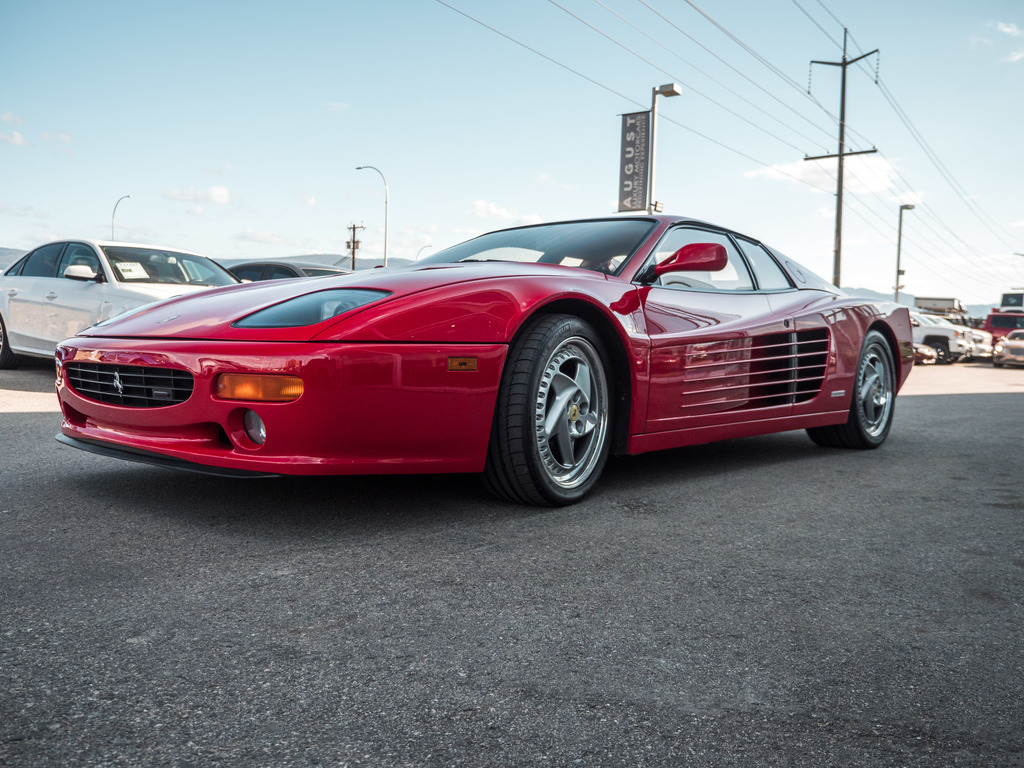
[(669, 89), (907, 207)]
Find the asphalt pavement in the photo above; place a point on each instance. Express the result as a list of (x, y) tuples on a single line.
[(756, 602)]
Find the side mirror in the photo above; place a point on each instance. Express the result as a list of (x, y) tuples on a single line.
[(695, 257), (914, 323), (80, 272)]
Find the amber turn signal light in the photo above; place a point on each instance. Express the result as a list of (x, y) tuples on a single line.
[(272, 388), (462, 363)]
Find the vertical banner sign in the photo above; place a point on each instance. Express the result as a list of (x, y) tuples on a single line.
[(633, 161)]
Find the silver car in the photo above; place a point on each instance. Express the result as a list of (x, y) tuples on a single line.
[(58, 289), (1009, 350)]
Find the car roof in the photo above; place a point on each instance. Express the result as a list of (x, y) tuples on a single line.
[(118, 243), (270, 262)]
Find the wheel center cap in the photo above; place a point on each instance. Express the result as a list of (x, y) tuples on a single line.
[(574, 412)]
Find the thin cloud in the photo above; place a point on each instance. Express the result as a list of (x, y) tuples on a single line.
[(866, 174), (218, 195), (14, 138), (62, 138), (337, 106), (1015, 56), (310, 201), (263, 238), (483, 210), (1010, 29), (543, 178), (13, 119)]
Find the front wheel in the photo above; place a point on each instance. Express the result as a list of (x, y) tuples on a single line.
[(942, 354), (874, 395), (549, 442)]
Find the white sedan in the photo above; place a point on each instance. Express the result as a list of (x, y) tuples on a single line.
[(60, 288)]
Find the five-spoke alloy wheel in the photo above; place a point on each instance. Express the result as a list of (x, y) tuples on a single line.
[(871, 407), (550, 437)]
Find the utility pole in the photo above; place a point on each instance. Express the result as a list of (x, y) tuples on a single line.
[(353, 244), (842, 155)]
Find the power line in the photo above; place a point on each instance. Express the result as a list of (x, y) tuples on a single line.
[(700, 93), (630, 99), (717, 82), (746, 77)]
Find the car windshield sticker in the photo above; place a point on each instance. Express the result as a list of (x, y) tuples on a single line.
[(132, 270)]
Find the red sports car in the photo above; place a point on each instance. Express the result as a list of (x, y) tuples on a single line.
[(528, 354)]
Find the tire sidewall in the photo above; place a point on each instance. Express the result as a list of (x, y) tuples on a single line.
[(877, 340), (568, 327)]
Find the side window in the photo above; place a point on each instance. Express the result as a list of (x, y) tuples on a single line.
[(274, 272), (43, 262), (770, 276), (249, 273), (733, 278), (15, 268), (79, 254)]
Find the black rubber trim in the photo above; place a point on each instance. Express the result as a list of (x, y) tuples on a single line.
[(157, 459)]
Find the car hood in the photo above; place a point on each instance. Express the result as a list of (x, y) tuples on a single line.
[(158, 291), (210, 315)]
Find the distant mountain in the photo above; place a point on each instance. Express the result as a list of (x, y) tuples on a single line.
[(9, 255), (335, 259)]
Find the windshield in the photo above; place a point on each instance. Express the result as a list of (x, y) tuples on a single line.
[(150, 265), (600, 246)]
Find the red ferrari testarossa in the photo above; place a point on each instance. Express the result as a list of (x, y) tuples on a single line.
[(529, 354)]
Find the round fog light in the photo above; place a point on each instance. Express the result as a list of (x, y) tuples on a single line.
[(254, 427)]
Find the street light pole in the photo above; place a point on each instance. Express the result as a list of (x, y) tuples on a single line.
[(114, 213), (669, 89), (899, 242), (372, 168)]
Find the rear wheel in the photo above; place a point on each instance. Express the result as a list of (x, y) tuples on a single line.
[(549, 442), (871, 408), (7, 358)]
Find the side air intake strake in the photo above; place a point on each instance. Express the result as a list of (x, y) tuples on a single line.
[(754, 372)]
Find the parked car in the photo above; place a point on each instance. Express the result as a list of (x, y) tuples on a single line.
[(924, 355), (980, 341), (1001, 323), (951, 343), (528, 355), (254, 271), (1009, 350), (60, 288)]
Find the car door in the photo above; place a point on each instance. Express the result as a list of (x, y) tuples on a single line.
[(28, 297), (78, 303), (724, 348)]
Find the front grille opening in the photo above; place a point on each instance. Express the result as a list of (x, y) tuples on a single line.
[(130, 386)]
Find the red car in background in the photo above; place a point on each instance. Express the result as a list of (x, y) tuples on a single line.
[(529, 355), (1001, 323)]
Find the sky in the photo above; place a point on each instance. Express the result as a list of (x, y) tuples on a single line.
[(236, 127)]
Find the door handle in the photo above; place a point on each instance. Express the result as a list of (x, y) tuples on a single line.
[(12, 292), (50, 296)]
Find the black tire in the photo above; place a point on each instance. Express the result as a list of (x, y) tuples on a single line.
[(942, 355), (997, 365), (7, 358), (872, 403), (552, 423)]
